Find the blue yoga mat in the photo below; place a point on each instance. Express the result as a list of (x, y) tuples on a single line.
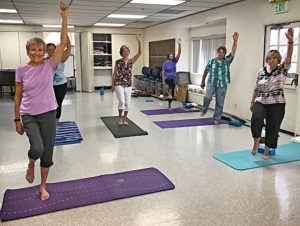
[(67, 133), (243, 160), (187, 123), (26, 202)]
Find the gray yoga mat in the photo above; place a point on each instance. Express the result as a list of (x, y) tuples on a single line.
[(129, 130)]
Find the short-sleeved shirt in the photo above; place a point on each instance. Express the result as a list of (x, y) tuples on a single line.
[(219, 74), (124, 73), (59, 76), (269, 86), (169, 67), (37, 82)]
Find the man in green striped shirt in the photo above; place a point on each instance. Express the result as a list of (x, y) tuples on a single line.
[(219, 78)]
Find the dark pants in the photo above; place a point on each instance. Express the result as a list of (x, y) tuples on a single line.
[(273, 113), (40, 130), (60, 92), (171, 84)]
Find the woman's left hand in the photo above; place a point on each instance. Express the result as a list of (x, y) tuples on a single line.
[(138, 37), (63, 10), (290, 34), (179, 41)]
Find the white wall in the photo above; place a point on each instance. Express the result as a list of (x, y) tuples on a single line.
[(248, 18)]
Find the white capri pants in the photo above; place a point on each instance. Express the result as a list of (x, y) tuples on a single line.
[(124, 97)]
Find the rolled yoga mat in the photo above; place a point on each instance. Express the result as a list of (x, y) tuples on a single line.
[(187, 123), (131, 129), (243, 160), (163, 111), (67, 133), (26, 202)]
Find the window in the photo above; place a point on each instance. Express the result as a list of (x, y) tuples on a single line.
[(203, 50), (278, 41)]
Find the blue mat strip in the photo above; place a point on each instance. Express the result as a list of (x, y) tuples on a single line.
[(68, 133)]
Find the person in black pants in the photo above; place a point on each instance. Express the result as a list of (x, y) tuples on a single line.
[(268, 100), (169, 72), (59, 80)]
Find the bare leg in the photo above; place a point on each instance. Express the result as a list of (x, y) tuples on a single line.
[(266, 153), (125, 118), (170, 100), (255, 146), (120, 117), (44, 174), (30, 171)]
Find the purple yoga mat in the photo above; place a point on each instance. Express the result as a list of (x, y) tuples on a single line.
[(187, 123), (26, 202), (163, 111)]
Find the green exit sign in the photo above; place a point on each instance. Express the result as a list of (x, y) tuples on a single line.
[(281, 7)]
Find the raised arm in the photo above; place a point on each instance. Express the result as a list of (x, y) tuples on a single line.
[(59, 51), (18, 99), (67, 51), (179, 49), (290, 36), (137, 56), (235, 37)]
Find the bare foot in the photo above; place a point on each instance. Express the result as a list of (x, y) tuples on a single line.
[(125, 122), (30, 174), (170, 109), (202, 114), (216, 122), (44, 194), (265, 157), (254, 151), (120, 121)]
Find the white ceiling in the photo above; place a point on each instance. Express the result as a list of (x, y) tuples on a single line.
[(89, 12)]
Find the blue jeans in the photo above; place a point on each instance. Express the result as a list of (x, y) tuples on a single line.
[(220, 93)]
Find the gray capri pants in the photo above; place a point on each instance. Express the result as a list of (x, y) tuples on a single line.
[(41, 130)]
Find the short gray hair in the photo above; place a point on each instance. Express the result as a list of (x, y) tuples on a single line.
[(35, 41)]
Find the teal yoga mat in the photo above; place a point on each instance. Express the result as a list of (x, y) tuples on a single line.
[(243, 160)]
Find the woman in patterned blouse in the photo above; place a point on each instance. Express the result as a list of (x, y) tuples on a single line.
[(268, 100), (121, 80)]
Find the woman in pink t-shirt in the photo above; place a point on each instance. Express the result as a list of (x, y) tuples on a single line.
[(35, 103)]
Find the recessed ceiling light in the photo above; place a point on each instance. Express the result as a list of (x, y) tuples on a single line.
[(56, 26), (126, 16), (109, 25), (158, 2), (8, 11), (11, 21)]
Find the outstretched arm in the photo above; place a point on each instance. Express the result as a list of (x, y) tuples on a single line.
[(179, 49), (57, 57), (137, 56), (290, 36), (67, 51), (235, 37)]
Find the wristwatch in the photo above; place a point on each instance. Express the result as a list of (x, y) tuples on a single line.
[(17, 120)]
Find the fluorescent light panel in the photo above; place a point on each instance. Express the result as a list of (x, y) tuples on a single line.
[(8, 11), (11, 21), (158, 2), (109, 25), (126, 16), (56, 26)]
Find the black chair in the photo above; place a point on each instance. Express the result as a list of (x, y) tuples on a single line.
[(7, 78)]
